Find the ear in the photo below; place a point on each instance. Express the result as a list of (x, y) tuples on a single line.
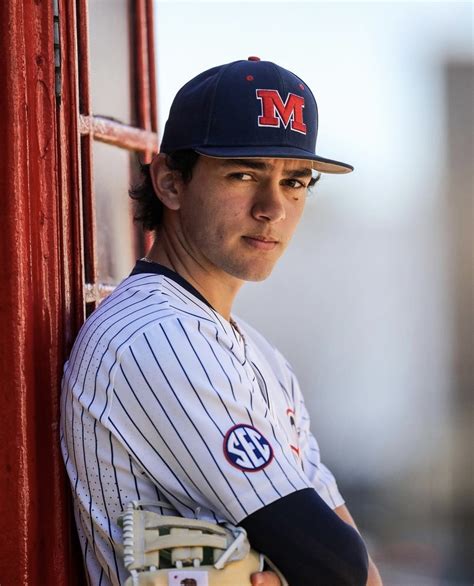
[(166, 183)]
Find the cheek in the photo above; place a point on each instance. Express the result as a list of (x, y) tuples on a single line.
[(211, 225), (294, 216), (228, 219)]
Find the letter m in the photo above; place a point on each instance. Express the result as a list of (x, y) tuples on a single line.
[(274, 110)]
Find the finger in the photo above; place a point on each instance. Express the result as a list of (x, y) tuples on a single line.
[(265, 579)]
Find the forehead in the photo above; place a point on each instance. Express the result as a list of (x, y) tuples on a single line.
[(283, 166)]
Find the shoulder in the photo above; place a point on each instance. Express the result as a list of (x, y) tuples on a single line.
[(177, 322), (142, 302), (149, 322)]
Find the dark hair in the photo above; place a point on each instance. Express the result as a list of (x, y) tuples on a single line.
[(148, 208)]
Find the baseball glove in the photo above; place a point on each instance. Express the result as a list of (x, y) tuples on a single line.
[(161, 550)]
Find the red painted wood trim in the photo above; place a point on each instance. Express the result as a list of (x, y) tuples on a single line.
[(71, 225), (70, 178), (140, 54), (151, 65), (83, 56), (148, 237), (88, 209)]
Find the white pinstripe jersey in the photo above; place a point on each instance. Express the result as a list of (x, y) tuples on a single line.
[(163, 399)]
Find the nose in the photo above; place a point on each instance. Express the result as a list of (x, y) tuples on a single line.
[(269, 204)]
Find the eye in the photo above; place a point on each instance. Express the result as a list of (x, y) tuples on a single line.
[(241, 176), (295, 184)]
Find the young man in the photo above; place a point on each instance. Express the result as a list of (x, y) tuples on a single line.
[(167, 396)]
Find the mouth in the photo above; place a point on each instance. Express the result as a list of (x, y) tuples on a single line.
[(261, 242)]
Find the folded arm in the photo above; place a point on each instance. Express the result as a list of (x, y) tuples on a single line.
[(308, 541), (373, 578), (320, 570)]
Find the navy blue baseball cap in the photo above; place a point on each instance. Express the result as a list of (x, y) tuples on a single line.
[(247, 109)]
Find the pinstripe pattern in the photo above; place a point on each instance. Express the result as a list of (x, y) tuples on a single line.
[(154, 382)]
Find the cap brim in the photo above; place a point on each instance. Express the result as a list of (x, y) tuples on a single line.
[(319, 163)]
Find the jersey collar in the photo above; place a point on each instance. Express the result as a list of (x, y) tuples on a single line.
[(144, 266)]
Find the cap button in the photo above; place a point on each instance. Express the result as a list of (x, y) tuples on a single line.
[(253, 58)]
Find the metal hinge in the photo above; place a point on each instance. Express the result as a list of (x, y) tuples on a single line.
[(57, 53)]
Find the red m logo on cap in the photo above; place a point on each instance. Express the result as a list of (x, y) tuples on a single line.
[(275, 110)]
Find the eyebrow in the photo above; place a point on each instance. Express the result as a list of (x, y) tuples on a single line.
[(262, 166)]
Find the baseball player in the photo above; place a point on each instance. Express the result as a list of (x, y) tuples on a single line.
[(171, 400)]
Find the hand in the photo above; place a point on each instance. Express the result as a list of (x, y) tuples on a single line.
[(265, 579)]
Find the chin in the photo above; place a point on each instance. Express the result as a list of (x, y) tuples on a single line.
[(256, 277), (247, 269), (253, 273)]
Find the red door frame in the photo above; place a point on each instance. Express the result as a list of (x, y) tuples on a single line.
[(35, 300), (42, 289)]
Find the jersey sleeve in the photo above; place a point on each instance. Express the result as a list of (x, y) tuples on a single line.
[(331, 551), (319, 475), (186, 405)]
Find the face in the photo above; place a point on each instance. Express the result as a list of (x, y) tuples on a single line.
[(238, 216)]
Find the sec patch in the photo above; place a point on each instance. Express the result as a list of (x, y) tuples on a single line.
[(247, 449)]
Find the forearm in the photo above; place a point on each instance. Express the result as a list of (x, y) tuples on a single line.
[(373, 577), (301, 527)]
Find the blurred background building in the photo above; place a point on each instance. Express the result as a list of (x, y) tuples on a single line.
[(373, 303)]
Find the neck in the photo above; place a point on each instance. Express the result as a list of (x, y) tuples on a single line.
[(215, 285)]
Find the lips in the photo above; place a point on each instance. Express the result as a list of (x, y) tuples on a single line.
[(261, 242)]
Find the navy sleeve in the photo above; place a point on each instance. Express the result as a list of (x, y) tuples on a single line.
[(308, 542)]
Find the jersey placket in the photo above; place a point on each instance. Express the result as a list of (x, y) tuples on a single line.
[(262, 385)]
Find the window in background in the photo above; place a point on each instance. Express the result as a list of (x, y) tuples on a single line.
[(118, 107)]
